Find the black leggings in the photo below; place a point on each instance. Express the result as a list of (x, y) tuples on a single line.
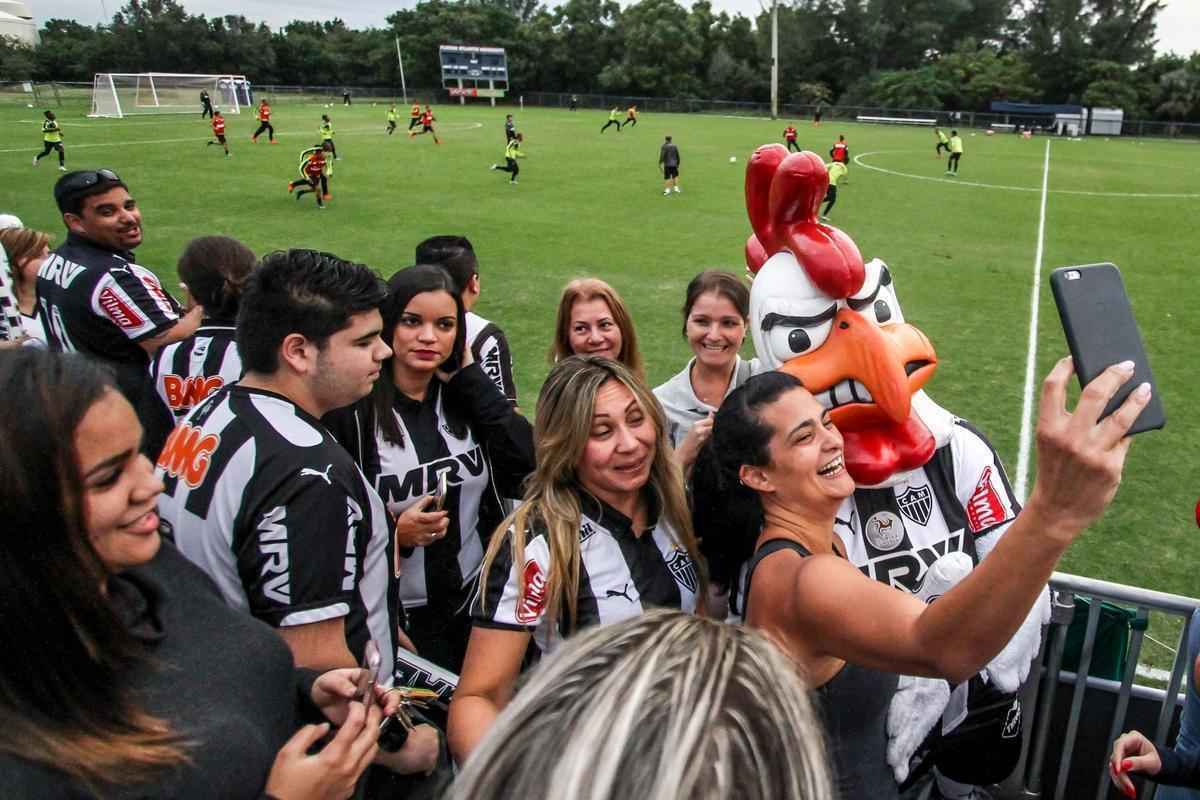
[(953, 164), (510, 166), (792, 146), (332, 147), (611, 122), (830, 199), (391, 127), (412, 122), (940, 146), (48, 146), (264, 126), (207, 111), (631, 121), (312, 183)]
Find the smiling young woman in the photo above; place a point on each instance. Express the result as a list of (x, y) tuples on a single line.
[(124, 672), (601, 535), (716, 310), (766, 488)]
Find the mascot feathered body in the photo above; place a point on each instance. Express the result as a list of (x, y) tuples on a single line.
[(932, 497)]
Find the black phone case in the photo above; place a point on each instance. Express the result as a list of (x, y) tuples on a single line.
[(1101, 331)]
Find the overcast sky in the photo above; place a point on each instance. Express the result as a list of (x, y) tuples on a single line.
[(1178, 25)]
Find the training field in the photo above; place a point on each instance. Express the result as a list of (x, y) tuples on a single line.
[(963, 250)]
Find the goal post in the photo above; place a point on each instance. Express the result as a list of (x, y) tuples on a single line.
[(121, 94)]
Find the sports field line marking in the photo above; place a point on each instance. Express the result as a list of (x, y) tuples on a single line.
[(290, 134), (1031, 355), (1147, 195)]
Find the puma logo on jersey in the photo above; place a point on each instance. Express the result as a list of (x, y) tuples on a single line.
[(623, 593), (308, 472)]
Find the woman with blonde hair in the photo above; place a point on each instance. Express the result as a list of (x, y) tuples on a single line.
[(593, 321), (602, 534), (26, 250), (667, 706)]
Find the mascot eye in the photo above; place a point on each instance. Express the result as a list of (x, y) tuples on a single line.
[(788, 341), (883, 312)]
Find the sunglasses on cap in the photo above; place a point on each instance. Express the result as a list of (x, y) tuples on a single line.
[(85, 179)]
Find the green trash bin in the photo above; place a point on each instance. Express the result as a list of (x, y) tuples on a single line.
[(1112, 639)]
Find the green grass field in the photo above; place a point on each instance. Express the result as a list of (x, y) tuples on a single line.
[(962, 249)]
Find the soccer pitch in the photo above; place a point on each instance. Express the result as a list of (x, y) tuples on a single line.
[(962, 249)]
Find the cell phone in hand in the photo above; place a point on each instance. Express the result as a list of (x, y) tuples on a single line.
[(370, 673), (439, 498), (1098, 321)]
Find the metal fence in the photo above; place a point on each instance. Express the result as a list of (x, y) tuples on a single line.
[(1067, 741)]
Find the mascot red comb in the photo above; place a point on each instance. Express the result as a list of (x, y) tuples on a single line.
[(932, 496)]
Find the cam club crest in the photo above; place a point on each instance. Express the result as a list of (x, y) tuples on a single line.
[(684, 570), (916, 504)]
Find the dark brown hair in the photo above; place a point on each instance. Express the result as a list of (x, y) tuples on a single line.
[(216, 269), (64, 700), (726, 284)]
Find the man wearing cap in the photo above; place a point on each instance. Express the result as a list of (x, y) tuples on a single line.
[(96, 300)]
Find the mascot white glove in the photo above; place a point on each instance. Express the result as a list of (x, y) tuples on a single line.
[(915, 709)]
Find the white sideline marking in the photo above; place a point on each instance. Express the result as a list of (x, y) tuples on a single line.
[(1149, 195), (1031, 356), (348, 132), (1153, 673)]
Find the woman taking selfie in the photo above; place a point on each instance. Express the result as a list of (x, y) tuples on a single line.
[(766, 488), (593, 321), (602, 534), (442, 445), (124, 674), (716, 310)]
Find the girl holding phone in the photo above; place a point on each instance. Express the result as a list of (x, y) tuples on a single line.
[(435, 419)]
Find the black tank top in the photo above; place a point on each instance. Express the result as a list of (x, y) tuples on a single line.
[(854, 705)]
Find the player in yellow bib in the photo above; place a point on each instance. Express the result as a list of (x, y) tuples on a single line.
[(942, 144), (327, 136), (956, 151), (52, 139), (837, 170), (391, 120)]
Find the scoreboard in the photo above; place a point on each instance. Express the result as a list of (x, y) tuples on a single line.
[(474, 71)]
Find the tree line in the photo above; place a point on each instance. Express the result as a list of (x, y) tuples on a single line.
[(930, 54)]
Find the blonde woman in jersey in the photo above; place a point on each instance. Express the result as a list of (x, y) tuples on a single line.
[(602, 534)]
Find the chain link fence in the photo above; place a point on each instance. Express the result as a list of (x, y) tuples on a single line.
[(70, 96)]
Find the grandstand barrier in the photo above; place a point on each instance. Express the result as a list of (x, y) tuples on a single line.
[(897, 120), (1068, 736)]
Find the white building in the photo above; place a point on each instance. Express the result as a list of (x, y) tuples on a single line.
[(16, 20)]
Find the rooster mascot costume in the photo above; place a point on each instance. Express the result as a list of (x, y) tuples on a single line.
[(932, 497)]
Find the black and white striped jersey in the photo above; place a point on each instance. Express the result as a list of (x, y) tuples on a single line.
[(893, 534), (620, 576), (490, 348), (262, 497), (465, 429), (186, 372)]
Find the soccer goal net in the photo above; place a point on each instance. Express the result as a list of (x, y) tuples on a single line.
[(118, 94)]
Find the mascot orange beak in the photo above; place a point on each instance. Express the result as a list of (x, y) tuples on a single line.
[(891, 363)]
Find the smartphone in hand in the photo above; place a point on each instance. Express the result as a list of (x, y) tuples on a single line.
[(439, 499), (370, 673), (1098, 321)]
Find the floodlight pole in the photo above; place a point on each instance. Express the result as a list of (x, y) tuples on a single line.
[(403, 88), (775, 59)]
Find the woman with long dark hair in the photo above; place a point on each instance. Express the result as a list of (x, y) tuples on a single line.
[(766, 488), (434, 419), (123, 672)]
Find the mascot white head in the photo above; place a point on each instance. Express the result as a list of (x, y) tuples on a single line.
[(819, 313)]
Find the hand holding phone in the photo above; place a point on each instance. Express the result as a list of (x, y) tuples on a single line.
[(1098, 321), (439, 497)]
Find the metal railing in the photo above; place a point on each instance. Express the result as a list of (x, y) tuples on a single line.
[(1029, 778)]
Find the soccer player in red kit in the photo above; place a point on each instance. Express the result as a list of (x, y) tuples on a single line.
[(840, 154), (313, 171), (427, 120), (264, 123), (218, 128), (789, 136)]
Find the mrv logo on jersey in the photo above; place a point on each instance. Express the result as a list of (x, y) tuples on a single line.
[(424, 479)]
